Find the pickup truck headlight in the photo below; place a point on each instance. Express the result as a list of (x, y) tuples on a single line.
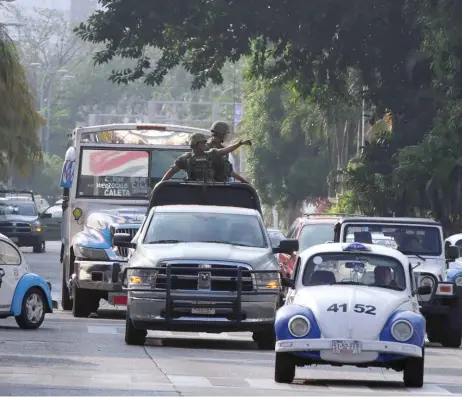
[(299, 326), (96, 254), (402, 330), (267, 280), (141, 278), (427, 280), (37, 227)]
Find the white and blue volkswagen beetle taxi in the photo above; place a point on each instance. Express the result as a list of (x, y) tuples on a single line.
[(24, 295), (351, 304)]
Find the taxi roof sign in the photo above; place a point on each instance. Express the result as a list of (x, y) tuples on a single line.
[(356, 247)]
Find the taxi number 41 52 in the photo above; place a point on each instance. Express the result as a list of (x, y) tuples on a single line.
[(358, 308)]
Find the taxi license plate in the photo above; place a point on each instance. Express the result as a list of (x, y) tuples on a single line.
[(202, 310), (346, 347)]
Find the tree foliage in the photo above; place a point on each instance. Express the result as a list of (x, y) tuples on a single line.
[(19, 120)]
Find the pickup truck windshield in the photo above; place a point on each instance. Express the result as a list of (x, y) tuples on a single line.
[(117, 173), (410, 240), (18, 208), (236, 229), (316, 233)]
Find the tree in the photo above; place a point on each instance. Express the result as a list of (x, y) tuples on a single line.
[(19, 120), (288, 164)]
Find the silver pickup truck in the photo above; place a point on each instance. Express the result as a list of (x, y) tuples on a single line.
[(202, 268)]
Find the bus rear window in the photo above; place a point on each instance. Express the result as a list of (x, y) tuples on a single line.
[(113, 173)]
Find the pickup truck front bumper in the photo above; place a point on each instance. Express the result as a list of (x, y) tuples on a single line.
[(204, 311), (97, 275)]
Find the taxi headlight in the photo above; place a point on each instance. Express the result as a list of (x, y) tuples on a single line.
[(427, 281), (402, 330), (458, 280), (96, 254), (141, 278), (299, 326)]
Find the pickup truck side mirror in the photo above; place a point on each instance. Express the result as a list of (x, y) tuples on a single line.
[(424, 290), (287, 282), (286, 247), (123, 240), (452, 252)]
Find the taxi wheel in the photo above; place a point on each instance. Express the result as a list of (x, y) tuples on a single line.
[(284, 368), (134, 336), (451, 332), (32, 310), (413, 374)]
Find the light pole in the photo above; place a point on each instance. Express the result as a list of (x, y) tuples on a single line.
[(44, 137)]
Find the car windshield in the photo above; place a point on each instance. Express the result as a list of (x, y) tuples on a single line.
[(349, 268), (410, 240), (110, 173), (236, 229), (18, 208), (316, 233)]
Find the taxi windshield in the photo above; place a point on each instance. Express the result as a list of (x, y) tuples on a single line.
[(410, 240), (348, 268)]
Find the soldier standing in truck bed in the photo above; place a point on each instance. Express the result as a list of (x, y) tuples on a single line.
[(201, 164), (220, 132)]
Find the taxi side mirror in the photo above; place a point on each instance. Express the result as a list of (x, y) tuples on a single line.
[(452, 253), (286, 247)]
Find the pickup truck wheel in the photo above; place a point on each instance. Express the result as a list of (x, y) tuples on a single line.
[(413, 374), (433, 333), (284, 368), (32, 309), (451, 330), (66, 301), (83, 302), (265, 340), (133, 336), (39, 248)]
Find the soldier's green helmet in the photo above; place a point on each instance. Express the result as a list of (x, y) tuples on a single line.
[(196, 138), (220, 128)]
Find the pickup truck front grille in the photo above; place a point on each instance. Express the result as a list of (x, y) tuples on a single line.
[(222, 277), (123, 252), (14, 227)]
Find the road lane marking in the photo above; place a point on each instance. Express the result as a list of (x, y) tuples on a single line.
[(199, 381), (429, 388)]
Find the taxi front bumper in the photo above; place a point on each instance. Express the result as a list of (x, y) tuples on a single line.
[(325, 345)]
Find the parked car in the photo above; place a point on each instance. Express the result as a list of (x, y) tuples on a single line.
[(363, 311), (24, 295)]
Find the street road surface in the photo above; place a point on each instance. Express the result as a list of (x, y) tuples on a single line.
[(68, 356)]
